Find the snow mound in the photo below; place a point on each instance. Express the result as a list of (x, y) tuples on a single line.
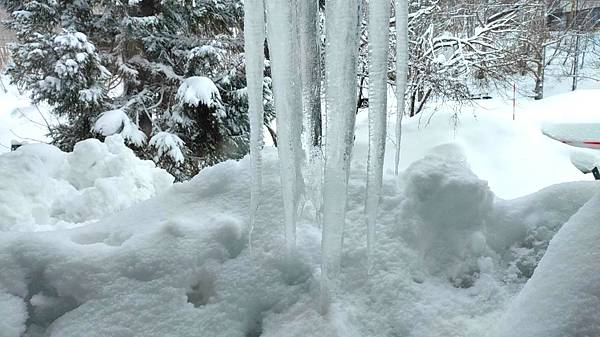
[(42, 187), (563, 296), (437, 187)]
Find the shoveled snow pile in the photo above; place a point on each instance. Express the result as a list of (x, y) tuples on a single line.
[(42, 187), (449, 258)]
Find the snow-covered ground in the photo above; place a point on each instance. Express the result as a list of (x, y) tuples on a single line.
[(459, 235)]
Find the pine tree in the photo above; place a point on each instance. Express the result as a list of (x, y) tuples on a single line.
[(139, 55)]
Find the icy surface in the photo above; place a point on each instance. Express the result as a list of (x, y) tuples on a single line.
[(379, 16), (254, 37), (563, 296), (282, 39), (42, 188)]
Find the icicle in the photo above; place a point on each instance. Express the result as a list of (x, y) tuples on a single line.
[(340, 60), (379, 15), (283, 42), (310, 67), (401, 70), (254, 37)]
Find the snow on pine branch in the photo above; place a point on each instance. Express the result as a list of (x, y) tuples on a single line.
[(168, 144), (197, 90), (117, 122)]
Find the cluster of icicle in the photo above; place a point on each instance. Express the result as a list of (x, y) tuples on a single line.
[(292, 31)]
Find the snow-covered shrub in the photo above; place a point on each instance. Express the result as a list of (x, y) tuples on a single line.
[(42, 187)]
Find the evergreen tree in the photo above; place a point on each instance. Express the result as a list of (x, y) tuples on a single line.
[(138, 55)]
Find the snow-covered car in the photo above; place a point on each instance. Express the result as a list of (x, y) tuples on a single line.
[(585, 135)]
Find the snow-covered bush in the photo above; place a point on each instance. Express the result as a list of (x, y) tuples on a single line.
[(42, 188)]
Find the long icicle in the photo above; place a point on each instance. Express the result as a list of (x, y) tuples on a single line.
[(401, 71), (283, 42), (378, 29), (254, 38), (341, 55)]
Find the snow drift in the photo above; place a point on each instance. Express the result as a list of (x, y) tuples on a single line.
[(42, 187), (445, 263), (563, 296)]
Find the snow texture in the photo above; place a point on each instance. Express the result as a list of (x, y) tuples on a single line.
[(42, 188), (179, 263), (379, 16), (117, 122), (254, 37), (340, 73), (282, 36), (563, 296), (401, 71)]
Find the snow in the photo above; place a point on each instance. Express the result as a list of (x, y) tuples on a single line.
[(460, 233), (179, 263), (117, 122), (168, 144), (515, 157), (19, 120), (14, 314), (197, 90), (42, 188), (563, 296)]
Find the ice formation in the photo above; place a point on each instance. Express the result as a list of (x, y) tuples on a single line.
[(401, 70), (288, 106), (340, 62), (379, 14), (254, 37)]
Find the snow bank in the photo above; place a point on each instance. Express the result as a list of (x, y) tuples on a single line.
[(563, 296), (179, 263), (42, 188)]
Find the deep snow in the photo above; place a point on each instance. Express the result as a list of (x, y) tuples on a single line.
[(452, 251), (446, 263)]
